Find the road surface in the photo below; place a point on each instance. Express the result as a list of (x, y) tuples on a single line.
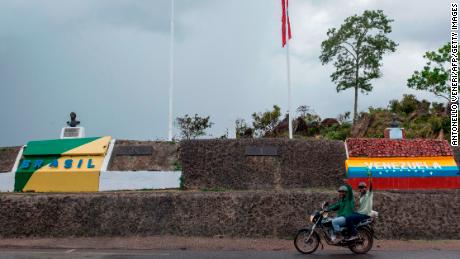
[(21, 253)]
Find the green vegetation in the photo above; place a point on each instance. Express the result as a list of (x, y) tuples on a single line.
[(420, 118), (356, 49), (181, 182), (435, 76), (193, 127), (265, 122), (338, 132), (177, 165)]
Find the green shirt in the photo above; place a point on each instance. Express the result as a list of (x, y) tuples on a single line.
[(345, 206)]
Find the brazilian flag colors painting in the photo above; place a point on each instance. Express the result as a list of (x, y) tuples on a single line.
[(61, 165)]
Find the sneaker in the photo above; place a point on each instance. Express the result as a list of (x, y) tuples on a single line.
[(335, 239)]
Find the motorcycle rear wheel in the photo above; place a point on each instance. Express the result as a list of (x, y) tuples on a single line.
[(306, 246), (364, 242)]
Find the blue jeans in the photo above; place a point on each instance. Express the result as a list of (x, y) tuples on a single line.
[(354, 220), (337, 223)]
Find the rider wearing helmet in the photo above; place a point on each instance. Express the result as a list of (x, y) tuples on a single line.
[(364, 211), (344, 207)]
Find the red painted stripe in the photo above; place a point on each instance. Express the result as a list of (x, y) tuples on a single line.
[(416, 183)]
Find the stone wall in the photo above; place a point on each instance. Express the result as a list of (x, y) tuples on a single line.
[(8, 157), (411, 215), (299, 163), (163, 158)]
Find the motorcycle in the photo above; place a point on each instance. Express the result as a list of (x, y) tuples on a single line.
[(307, 240)]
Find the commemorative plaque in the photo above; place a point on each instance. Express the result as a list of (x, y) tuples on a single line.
[(261, 151), (134, 150)]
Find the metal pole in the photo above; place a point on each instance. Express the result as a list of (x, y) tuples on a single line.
[(171, 74), (288, 69)]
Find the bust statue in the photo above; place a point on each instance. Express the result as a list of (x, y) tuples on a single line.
[(73, 120), (394, 121)]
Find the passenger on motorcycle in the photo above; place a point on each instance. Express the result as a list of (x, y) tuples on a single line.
[(364, 211), (345, 207)]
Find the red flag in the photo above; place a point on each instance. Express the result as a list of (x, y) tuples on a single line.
[(284, 18)]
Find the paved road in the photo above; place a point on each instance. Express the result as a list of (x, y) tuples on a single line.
[(140, 254)]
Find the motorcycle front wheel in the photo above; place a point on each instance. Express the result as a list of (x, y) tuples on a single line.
[(306, 246), (364, 242)]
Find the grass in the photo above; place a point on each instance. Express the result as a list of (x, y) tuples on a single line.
[(181, 183), (177, 165)]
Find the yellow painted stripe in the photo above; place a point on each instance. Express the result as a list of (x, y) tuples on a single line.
[(63, 182), (96, 147), (60, 179)]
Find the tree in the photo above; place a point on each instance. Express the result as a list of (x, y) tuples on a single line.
[(356, 49), (308, 114), (241, 128), (407, 105), (343, 117), (302, 110), (265, 122), (435, 76), (193, 127)]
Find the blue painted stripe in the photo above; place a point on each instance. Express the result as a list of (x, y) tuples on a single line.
[(358, 172)]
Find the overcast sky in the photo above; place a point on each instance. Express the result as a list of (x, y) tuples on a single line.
[(108, 60)]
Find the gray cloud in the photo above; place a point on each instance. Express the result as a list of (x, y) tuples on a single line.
[(108, 61)]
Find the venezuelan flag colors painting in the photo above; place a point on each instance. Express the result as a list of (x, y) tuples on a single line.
[(398, 164), (61, 165), (405, 172)]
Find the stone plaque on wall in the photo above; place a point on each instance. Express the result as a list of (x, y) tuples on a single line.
[(261, 151), (134, 150)]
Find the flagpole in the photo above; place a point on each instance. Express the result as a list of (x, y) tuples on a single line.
[(288, 70), (171, 74)]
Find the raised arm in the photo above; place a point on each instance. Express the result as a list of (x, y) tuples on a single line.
[(370, 181)]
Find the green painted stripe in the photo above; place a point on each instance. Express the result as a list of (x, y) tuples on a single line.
[(55, 146), (22, 176)]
